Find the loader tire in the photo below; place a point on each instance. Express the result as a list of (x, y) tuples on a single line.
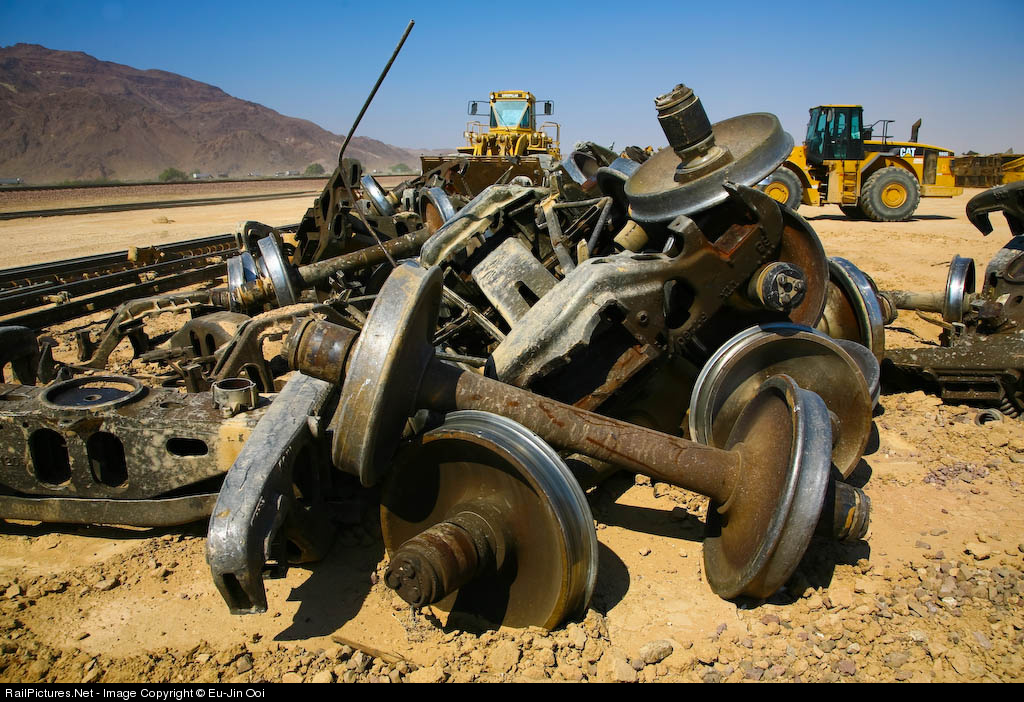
[(890, 195), (853, 211), (784, 186)]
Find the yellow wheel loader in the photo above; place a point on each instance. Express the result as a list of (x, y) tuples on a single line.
[(878, 179), (511, 144)]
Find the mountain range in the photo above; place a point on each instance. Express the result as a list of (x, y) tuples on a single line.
[(65, 115)]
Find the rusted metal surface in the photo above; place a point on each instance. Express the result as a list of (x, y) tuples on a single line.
[(658, 303), (797, 460), (731, 378), (110, 445), (981, 356), (482, 517)]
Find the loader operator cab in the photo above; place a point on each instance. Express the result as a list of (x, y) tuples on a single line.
[(511, 114), (514, 109), (511, 129), (835, 132)]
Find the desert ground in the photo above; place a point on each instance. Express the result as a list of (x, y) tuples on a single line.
[(932, 594), (41, 239)]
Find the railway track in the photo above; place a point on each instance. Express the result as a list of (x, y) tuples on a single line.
[(319, 180), (49, 293), (152, 205)]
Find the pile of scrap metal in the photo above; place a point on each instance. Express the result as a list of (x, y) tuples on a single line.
[(484, 362), (980, 357)]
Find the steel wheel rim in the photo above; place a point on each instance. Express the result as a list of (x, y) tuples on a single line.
[(375, 194), (960, 282), (276, 269), (733, 373), (760, 565), (386, 362), (437, 210), (563, 510), (860, 299), (758, 145)]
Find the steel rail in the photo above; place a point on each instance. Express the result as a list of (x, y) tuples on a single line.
[(70, 269), (153, 205), (41, 318), (19, 299)]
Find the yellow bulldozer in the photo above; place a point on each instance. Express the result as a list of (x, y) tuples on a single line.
[(511, 144), (869, 178)]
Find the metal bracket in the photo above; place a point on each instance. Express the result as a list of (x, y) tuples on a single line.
[(258, 509)]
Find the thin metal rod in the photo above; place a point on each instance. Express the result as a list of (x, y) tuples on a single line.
[(402, 246), (452, 297), (671, 459), (373, 92), (595, 238), (575, 204), (359, 118), (362, 218)]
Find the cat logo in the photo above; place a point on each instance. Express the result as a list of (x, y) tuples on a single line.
[(908, 151)]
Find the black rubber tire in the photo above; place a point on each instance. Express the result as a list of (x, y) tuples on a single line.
[(874, 206), (789, 180), (853, 211)]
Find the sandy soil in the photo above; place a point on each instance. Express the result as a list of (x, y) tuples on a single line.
[(933, 593), (42, 239)]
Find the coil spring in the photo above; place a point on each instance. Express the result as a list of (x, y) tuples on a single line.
[(1008, 408)]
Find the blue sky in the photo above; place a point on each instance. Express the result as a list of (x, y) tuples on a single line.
[(954, 64)]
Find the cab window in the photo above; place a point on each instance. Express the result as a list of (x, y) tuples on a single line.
[(816, 131), (839, 136), (510, 114)]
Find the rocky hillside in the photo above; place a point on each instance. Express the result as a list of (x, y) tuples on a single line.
[(65, 115)]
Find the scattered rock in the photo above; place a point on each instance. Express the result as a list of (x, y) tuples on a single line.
[(577, 637), (656, 651), (503, 657), (841, 596), (622, 671), (359, 662), (706, 652), (323, 677), (535, 672), (982, 640), (38, 670), (979, 551)]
